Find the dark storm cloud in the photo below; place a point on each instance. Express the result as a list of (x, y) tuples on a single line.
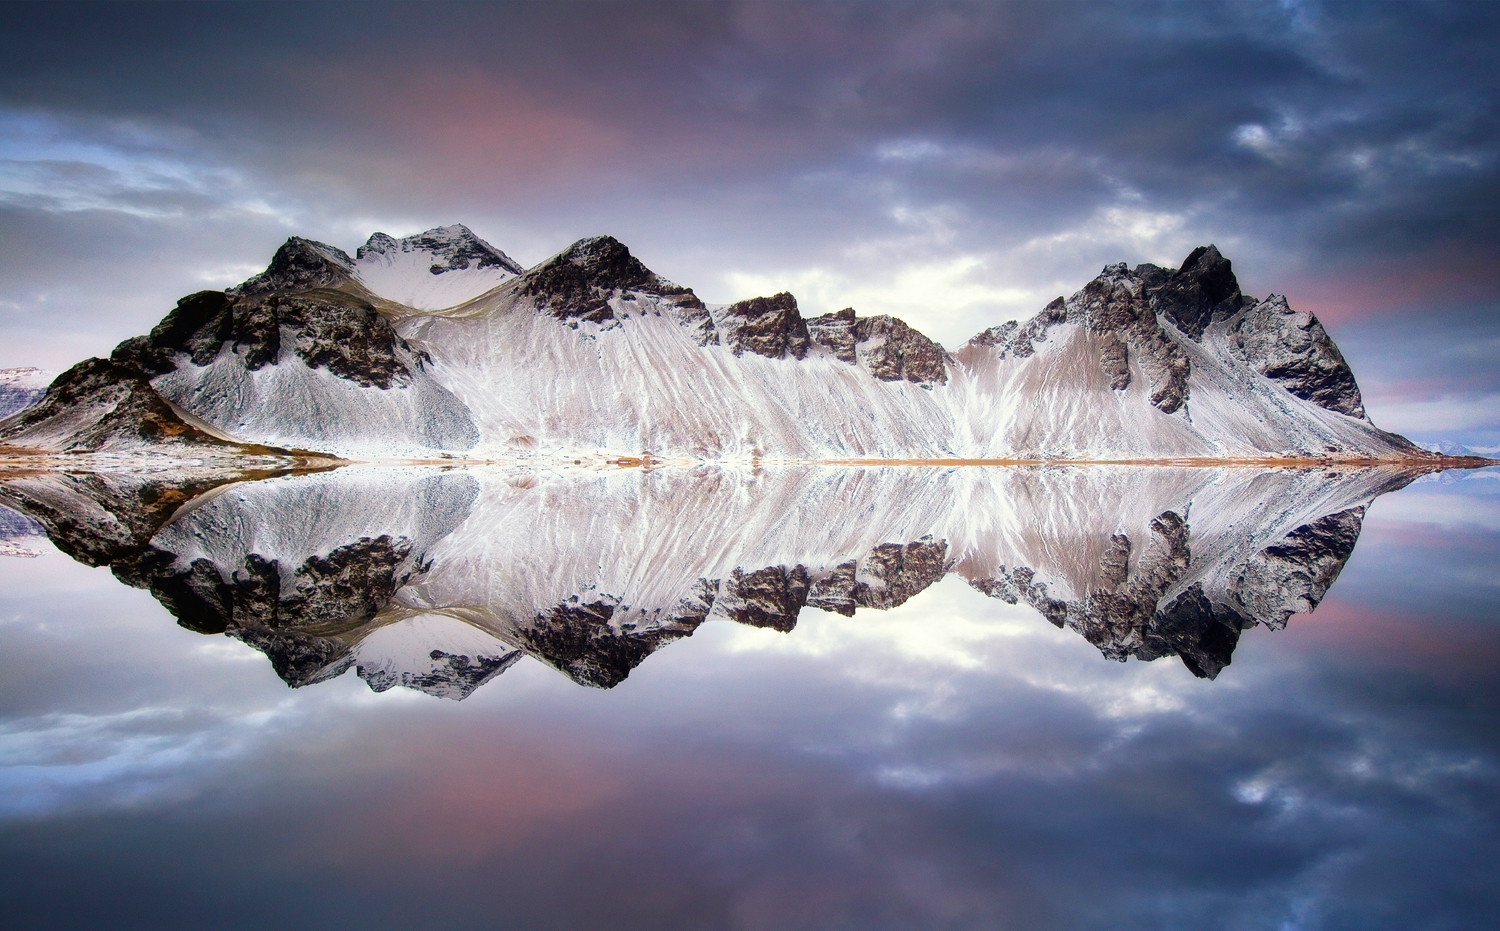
[(1385, 111)]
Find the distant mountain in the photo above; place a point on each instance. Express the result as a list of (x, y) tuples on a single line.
[(1449, 448), (20, 388), (439, 345)]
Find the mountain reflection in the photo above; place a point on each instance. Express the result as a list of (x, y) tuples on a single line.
[(439, 580)]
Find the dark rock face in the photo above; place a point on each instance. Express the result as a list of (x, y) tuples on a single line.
[(1123, 614), (327, 329), (299, 265), (1116, 309), (1122, 305), (1292, 348), (891, 575), (892, 351), (1114, 360), (1292, 576), (1203, 290), (1114, 306), (298, 658), (770, 597), (767, 326), (589, 643), (578, 284), (598, 643), (839, 331), (1201, 633), (331, 593), (104, 403), (1119, 614)]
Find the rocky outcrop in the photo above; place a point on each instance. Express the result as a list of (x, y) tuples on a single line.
[(1203, 290), (1125, 613), (770, 597), (1292, 576), (577, 284), (1119, 613), (885, 577), (596, 643), (299, 265), (453, 675), (1122, 306), (1116, 308), (889, 349), (204, 357), (889, 576), (326, 329), (106, 518), (767, 326), (1291, 347), (99, 404), (329, 594)]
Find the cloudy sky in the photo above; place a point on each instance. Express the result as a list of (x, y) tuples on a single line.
[(953, 164)]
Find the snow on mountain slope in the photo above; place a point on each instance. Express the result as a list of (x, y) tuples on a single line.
[(20, 388), (101, 407), (615, 361), (590, 353), (319, 368), (438, 269)]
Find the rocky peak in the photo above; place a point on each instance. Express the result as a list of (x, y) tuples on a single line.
[(891, 350), (1291, 347), (451, 248), (1116, 312), (767, 326), (338, 332), (1203, 290), (579, 282), (300, 265)]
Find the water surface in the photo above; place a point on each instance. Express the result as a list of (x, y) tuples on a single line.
[(952, 760)]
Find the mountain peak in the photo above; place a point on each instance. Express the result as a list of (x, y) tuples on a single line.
[(1203, 290), (440, 268), (300, 265), (578, 282), (452, 248)]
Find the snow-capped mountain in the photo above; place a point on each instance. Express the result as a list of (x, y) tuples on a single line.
[(439, 580), (435, 270), (591, 353), (1449, 448), (20, 388)]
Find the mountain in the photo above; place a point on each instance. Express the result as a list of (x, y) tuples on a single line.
[(439, 580), (440, 346), (1449, 448), (20, 388)]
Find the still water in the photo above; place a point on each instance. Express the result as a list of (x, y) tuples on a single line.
[(876, 698)]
